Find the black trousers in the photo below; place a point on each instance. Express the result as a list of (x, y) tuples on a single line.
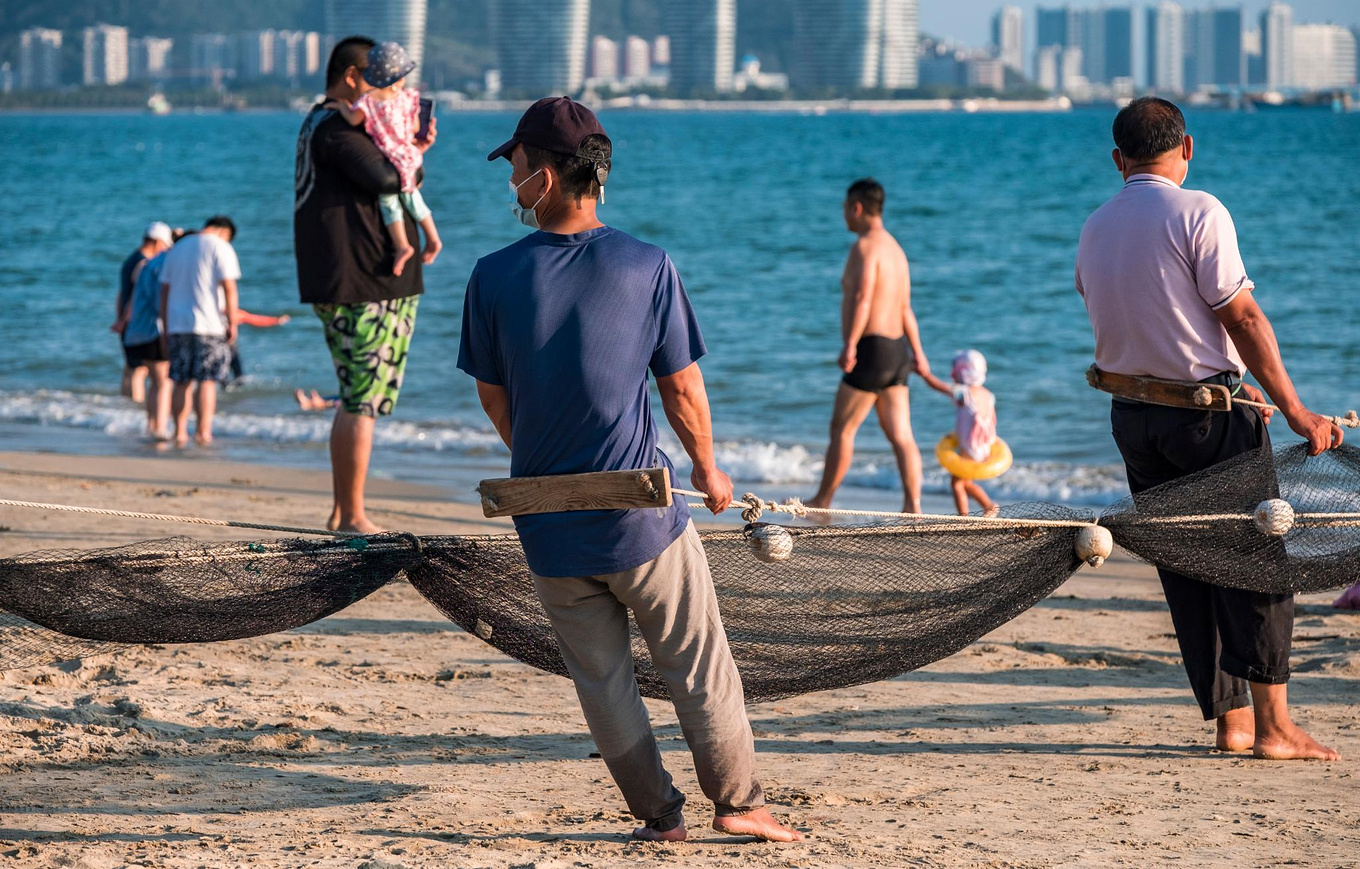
[(1228, 637)]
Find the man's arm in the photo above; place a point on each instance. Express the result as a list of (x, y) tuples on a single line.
[(233, 308), (496, 403), (859, 274), (912, 328), (686, 403), (1254, 338), (160, 313), (356, 157)]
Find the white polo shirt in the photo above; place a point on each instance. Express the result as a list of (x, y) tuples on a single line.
[(1153, 265), (195, 269)]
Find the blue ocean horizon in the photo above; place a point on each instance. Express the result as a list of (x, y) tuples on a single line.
[(987, 207)]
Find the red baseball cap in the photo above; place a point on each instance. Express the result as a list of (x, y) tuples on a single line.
[(557, 124)]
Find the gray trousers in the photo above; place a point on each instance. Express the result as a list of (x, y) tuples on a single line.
[(673, 602)]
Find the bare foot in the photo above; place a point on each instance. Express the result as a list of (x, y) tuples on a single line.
[(181, 439), (818, 518), (400, 258), (203, 439), (1236, 730), (759, 823), (647, 834), (363, 526), (1291, 744), (432, 248), (333, 523), (302, 399)]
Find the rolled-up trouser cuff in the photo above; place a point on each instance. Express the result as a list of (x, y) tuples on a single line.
[(667, 823), (735, 811), (1260, 674), (1223, 707)]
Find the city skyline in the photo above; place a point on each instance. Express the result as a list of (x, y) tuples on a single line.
[(970, 21)]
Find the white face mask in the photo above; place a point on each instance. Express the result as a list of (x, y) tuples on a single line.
[(526, 216)]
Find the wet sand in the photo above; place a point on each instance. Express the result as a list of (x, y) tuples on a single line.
[(385, 737)]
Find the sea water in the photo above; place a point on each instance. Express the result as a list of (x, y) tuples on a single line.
[(988, 208)]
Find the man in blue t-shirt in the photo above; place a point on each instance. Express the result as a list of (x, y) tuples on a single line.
[(560, 330)]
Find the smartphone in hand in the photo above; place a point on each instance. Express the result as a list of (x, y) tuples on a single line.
[(426, 112)]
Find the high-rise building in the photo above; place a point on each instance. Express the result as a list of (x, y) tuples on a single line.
[(1046, 63), (1215, 56), (105, 55), (604, 59), (637, 58), (149, 58), (1008, 37), (395, 21), (542, 45), (1324, 57), (6, 78), (1277, 45), (1166, 47), (703, 44), (1053, 27), (849, 45), (39, 59), (985, 73), (255, 54), (212, 56), (661, 51), (1105, 36), (901, 37), (1255, 62)]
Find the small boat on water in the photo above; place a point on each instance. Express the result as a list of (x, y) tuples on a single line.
[(157, 104)]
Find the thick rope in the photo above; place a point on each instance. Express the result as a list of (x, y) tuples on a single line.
[(1350, 420), (192, 520), (753, 507)]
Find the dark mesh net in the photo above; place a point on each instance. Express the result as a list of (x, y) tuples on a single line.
[(1158, 527), (851, 604)]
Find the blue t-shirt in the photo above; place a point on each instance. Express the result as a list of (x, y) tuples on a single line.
[(570, 325), (143, 324)]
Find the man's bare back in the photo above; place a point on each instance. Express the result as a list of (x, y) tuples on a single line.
[(878, 266)]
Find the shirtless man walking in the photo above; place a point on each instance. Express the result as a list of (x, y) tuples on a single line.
[(882, 347)]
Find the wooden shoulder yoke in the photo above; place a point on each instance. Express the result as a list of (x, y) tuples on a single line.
[(1167, 393), (568, 493)]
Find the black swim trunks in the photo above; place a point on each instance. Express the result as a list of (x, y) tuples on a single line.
[(140, 355), (880, 363)]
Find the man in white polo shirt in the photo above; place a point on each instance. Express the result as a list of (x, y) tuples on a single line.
[(1169, 297), (200, 311)]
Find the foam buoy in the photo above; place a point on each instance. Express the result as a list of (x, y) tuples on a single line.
[(1094, 544), (770, 543), (1274, 518)]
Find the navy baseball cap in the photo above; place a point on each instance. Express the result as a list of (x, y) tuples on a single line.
[(557, 124)]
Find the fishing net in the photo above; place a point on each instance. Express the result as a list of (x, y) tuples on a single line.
[(846, 605), (1201, 526)]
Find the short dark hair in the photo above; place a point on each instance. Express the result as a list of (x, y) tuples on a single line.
[(350, 51), (221, 221), (1147, 128), (870, 194), (577, 173)]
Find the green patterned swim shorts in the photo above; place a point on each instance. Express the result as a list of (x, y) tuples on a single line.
[(369, 342)]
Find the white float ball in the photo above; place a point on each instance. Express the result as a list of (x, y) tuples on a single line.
[(1274, 518), (771, 543), (1094, 544)]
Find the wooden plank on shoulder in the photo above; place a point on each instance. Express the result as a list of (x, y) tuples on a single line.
[(607, 490), (1167, 393)]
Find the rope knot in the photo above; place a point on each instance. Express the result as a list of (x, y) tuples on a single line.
[(755, 508), (794, 507)]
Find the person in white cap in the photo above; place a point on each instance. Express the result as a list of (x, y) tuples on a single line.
[(156, 240)]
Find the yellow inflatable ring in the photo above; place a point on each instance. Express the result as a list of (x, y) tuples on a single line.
[(998, 462)]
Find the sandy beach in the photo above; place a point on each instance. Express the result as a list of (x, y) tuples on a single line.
[(384, 737)]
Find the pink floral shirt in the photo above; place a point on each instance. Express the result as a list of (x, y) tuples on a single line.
[(975, 421), (393, 124)]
